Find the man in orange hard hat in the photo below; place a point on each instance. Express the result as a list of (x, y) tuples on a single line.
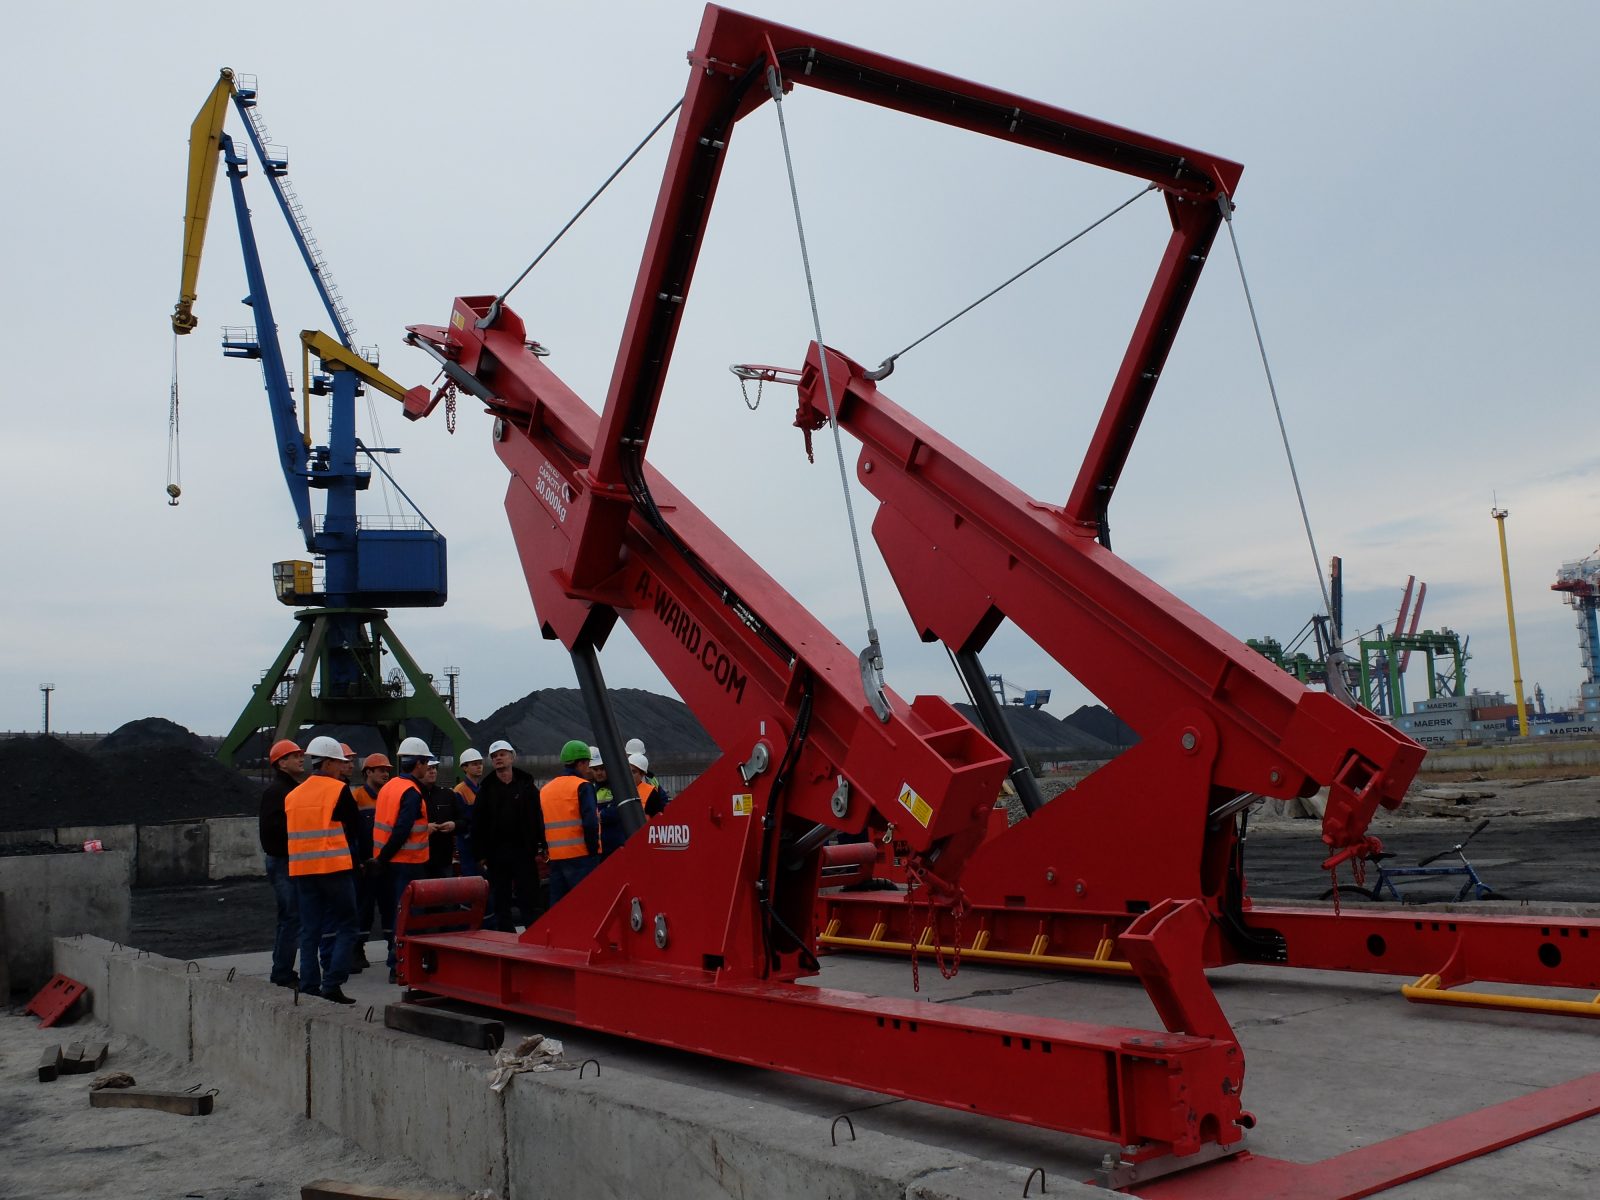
[(287, 759), (375, 771)]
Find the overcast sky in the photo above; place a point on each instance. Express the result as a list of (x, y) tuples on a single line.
[(1416, 215)]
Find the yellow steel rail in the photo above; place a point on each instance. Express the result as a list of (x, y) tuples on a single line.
[(1430, 989), (1035, 956)]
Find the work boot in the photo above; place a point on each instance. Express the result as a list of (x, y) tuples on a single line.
[(290, 981), (338, 997)]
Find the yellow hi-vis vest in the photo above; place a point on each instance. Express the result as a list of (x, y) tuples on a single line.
[(317, 843), (416, 848), (563, 822)]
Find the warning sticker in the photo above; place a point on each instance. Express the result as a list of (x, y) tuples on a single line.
[(744, 804), (921, 811)]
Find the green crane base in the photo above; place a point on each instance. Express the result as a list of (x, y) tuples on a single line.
[(339, 680)]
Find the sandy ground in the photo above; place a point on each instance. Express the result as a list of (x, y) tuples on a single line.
[(53, 1145)]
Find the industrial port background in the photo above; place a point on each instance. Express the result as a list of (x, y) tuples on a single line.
[(1412, 213)]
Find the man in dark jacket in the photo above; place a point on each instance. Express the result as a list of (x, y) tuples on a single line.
[(508, 837), (287, 759), (441, 803)]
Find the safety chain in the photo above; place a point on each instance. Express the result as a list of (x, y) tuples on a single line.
[(916, 880), (450, 406), (744, 390), (1358, 873)]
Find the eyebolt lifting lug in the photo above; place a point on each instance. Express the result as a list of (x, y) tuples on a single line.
[(841, 798), (661, 931), (635, 915), (760, 759)]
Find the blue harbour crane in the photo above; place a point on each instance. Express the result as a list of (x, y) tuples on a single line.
[(331, 669)]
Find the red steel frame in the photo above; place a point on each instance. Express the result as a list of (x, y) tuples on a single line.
[(693, 935)]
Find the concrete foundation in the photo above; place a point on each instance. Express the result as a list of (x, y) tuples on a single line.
[(47, 896), (616, 1133), (178, 854)]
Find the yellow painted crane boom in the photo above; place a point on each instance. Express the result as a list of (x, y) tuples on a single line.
[(205, 140)]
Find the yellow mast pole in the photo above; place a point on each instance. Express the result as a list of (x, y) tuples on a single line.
[(1500, 515)]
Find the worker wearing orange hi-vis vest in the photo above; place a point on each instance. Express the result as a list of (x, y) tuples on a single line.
[(400, 835), (324, 828), (571, 822)]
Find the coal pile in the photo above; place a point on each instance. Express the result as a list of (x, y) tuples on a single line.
[(1043, 736), (542, 721), (150, 733), (1101, 723), (146, 778)]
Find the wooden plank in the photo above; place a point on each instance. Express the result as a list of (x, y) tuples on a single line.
[(333, 1189), (82, 1057), (442, 1025), (184, 1104), (50, 1064)]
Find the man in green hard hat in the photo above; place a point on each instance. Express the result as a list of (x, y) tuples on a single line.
[(571, 821)]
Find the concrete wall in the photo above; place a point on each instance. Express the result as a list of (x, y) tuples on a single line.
[(56, 895), (233, 848), (176, 854), (172, 854), (615, 1134), (1541, 753)]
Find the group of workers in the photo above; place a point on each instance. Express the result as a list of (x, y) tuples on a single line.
[(336, 855)]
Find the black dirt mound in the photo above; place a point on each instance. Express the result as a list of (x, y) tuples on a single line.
[(542, 721), (45, 784), (1103, 724), (1043, 736), (149, 732)]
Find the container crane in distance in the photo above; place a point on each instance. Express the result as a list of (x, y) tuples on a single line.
[(370, 563)]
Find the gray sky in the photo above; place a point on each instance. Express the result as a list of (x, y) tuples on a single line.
[(1415, 215)]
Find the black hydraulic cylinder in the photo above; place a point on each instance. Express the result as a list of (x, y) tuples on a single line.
[(994, 724), (619, 777)]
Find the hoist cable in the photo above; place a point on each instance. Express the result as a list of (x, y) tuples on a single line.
[(174, 448), (887, 365), (872, 656), (1226, 205), (494, 309)]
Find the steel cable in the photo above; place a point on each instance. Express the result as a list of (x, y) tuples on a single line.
[(887, 365), (494, 309), (872, 656)]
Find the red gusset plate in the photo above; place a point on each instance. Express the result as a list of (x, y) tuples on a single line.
[(1387, 1164)]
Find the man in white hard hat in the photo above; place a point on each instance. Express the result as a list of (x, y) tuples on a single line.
[(471, 764), (323, 825), (400, 835), (660, 796)]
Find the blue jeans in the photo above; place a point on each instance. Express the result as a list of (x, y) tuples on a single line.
[(400, 876), (366, 893), (568, 873), (286, 938), (327, 908)]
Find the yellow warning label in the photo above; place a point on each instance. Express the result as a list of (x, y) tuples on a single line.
[(921, 811), (744, 804), (457, 320)]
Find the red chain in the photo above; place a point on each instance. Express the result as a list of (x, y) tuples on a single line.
[(917, 881)]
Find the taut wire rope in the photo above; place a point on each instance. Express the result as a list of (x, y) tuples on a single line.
[(884, 368), (494, 309), (1225, 205), (871, 659)]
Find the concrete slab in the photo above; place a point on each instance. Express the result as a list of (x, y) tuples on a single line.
[(150, 1001), (88, 960), (233, 848), (395, 1094), (56, 895), (113, 837), (254, 1034), (172, 854)]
